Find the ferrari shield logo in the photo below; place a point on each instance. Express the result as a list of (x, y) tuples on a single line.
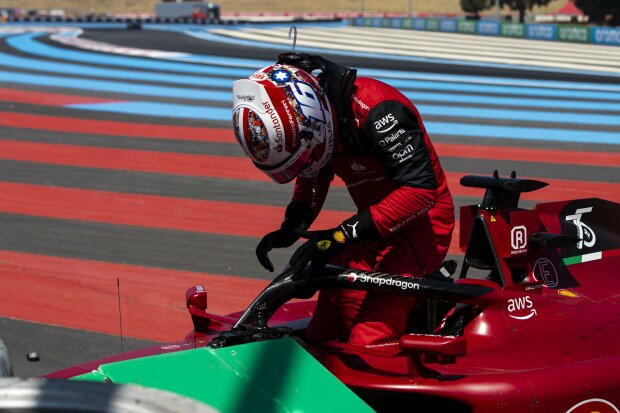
[(323, 245)]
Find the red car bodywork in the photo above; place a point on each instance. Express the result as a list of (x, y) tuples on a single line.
[(536, 329)]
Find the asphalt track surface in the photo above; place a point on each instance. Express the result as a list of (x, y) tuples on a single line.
[(163, 203)]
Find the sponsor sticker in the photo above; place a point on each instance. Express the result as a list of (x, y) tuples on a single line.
[(246, 98), (545, 271), (518, 240), (568, 293), (323, 245), (339, 237), (258, 77), (521, 308), (352, 232), (386, 123), (381, 281), (276, 125), (391, 138), (403, 154), (359, 102), (588, 237)]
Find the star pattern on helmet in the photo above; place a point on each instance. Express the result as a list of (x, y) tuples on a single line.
[(281, 76)]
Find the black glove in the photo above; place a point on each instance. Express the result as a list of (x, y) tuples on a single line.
[(324, 245), (319, 249), (281, 238), (298, 216)]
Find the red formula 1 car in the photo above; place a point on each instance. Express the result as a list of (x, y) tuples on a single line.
[(531, 323)]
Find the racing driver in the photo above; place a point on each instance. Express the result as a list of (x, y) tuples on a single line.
[(307, 118)]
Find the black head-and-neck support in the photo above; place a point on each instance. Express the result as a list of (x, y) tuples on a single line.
[(339, 84)]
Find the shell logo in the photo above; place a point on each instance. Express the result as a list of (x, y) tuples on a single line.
[(339, 237), (593, 406)]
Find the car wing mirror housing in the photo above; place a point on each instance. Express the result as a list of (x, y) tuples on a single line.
[(427, 348)]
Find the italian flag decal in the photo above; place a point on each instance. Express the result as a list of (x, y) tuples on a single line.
[(578, 259)]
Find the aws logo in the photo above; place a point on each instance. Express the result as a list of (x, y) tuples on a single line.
[(523, 306), (386, 123)]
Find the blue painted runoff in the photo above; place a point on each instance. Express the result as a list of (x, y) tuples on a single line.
[(19, 62), (448, 97), (441, 128), (26, 43), (130, 88), (217, 96)]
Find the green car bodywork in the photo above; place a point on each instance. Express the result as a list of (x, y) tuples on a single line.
[(266, 376)]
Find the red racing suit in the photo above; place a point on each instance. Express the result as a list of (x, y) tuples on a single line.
[(390, 168)]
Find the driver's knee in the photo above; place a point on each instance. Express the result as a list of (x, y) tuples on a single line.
[(383, 317)]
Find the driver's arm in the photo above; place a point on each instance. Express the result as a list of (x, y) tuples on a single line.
[(308, 198), (312, 191), (395, 136)]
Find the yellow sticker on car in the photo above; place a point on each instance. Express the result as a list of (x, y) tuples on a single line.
[(568, 293)]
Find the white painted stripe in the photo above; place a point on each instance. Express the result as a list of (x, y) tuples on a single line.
[(446, 46), (592, 257), (524, 48), (72, 39), (28, 29), (487, 41), (400, 74)]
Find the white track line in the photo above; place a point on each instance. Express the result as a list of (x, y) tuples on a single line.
[(446, 46)]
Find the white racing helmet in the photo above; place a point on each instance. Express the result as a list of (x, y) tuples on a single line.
[(284, 122)]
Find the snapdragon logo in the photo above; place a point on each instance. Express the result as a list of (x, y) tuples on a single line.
[(380, 281)]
